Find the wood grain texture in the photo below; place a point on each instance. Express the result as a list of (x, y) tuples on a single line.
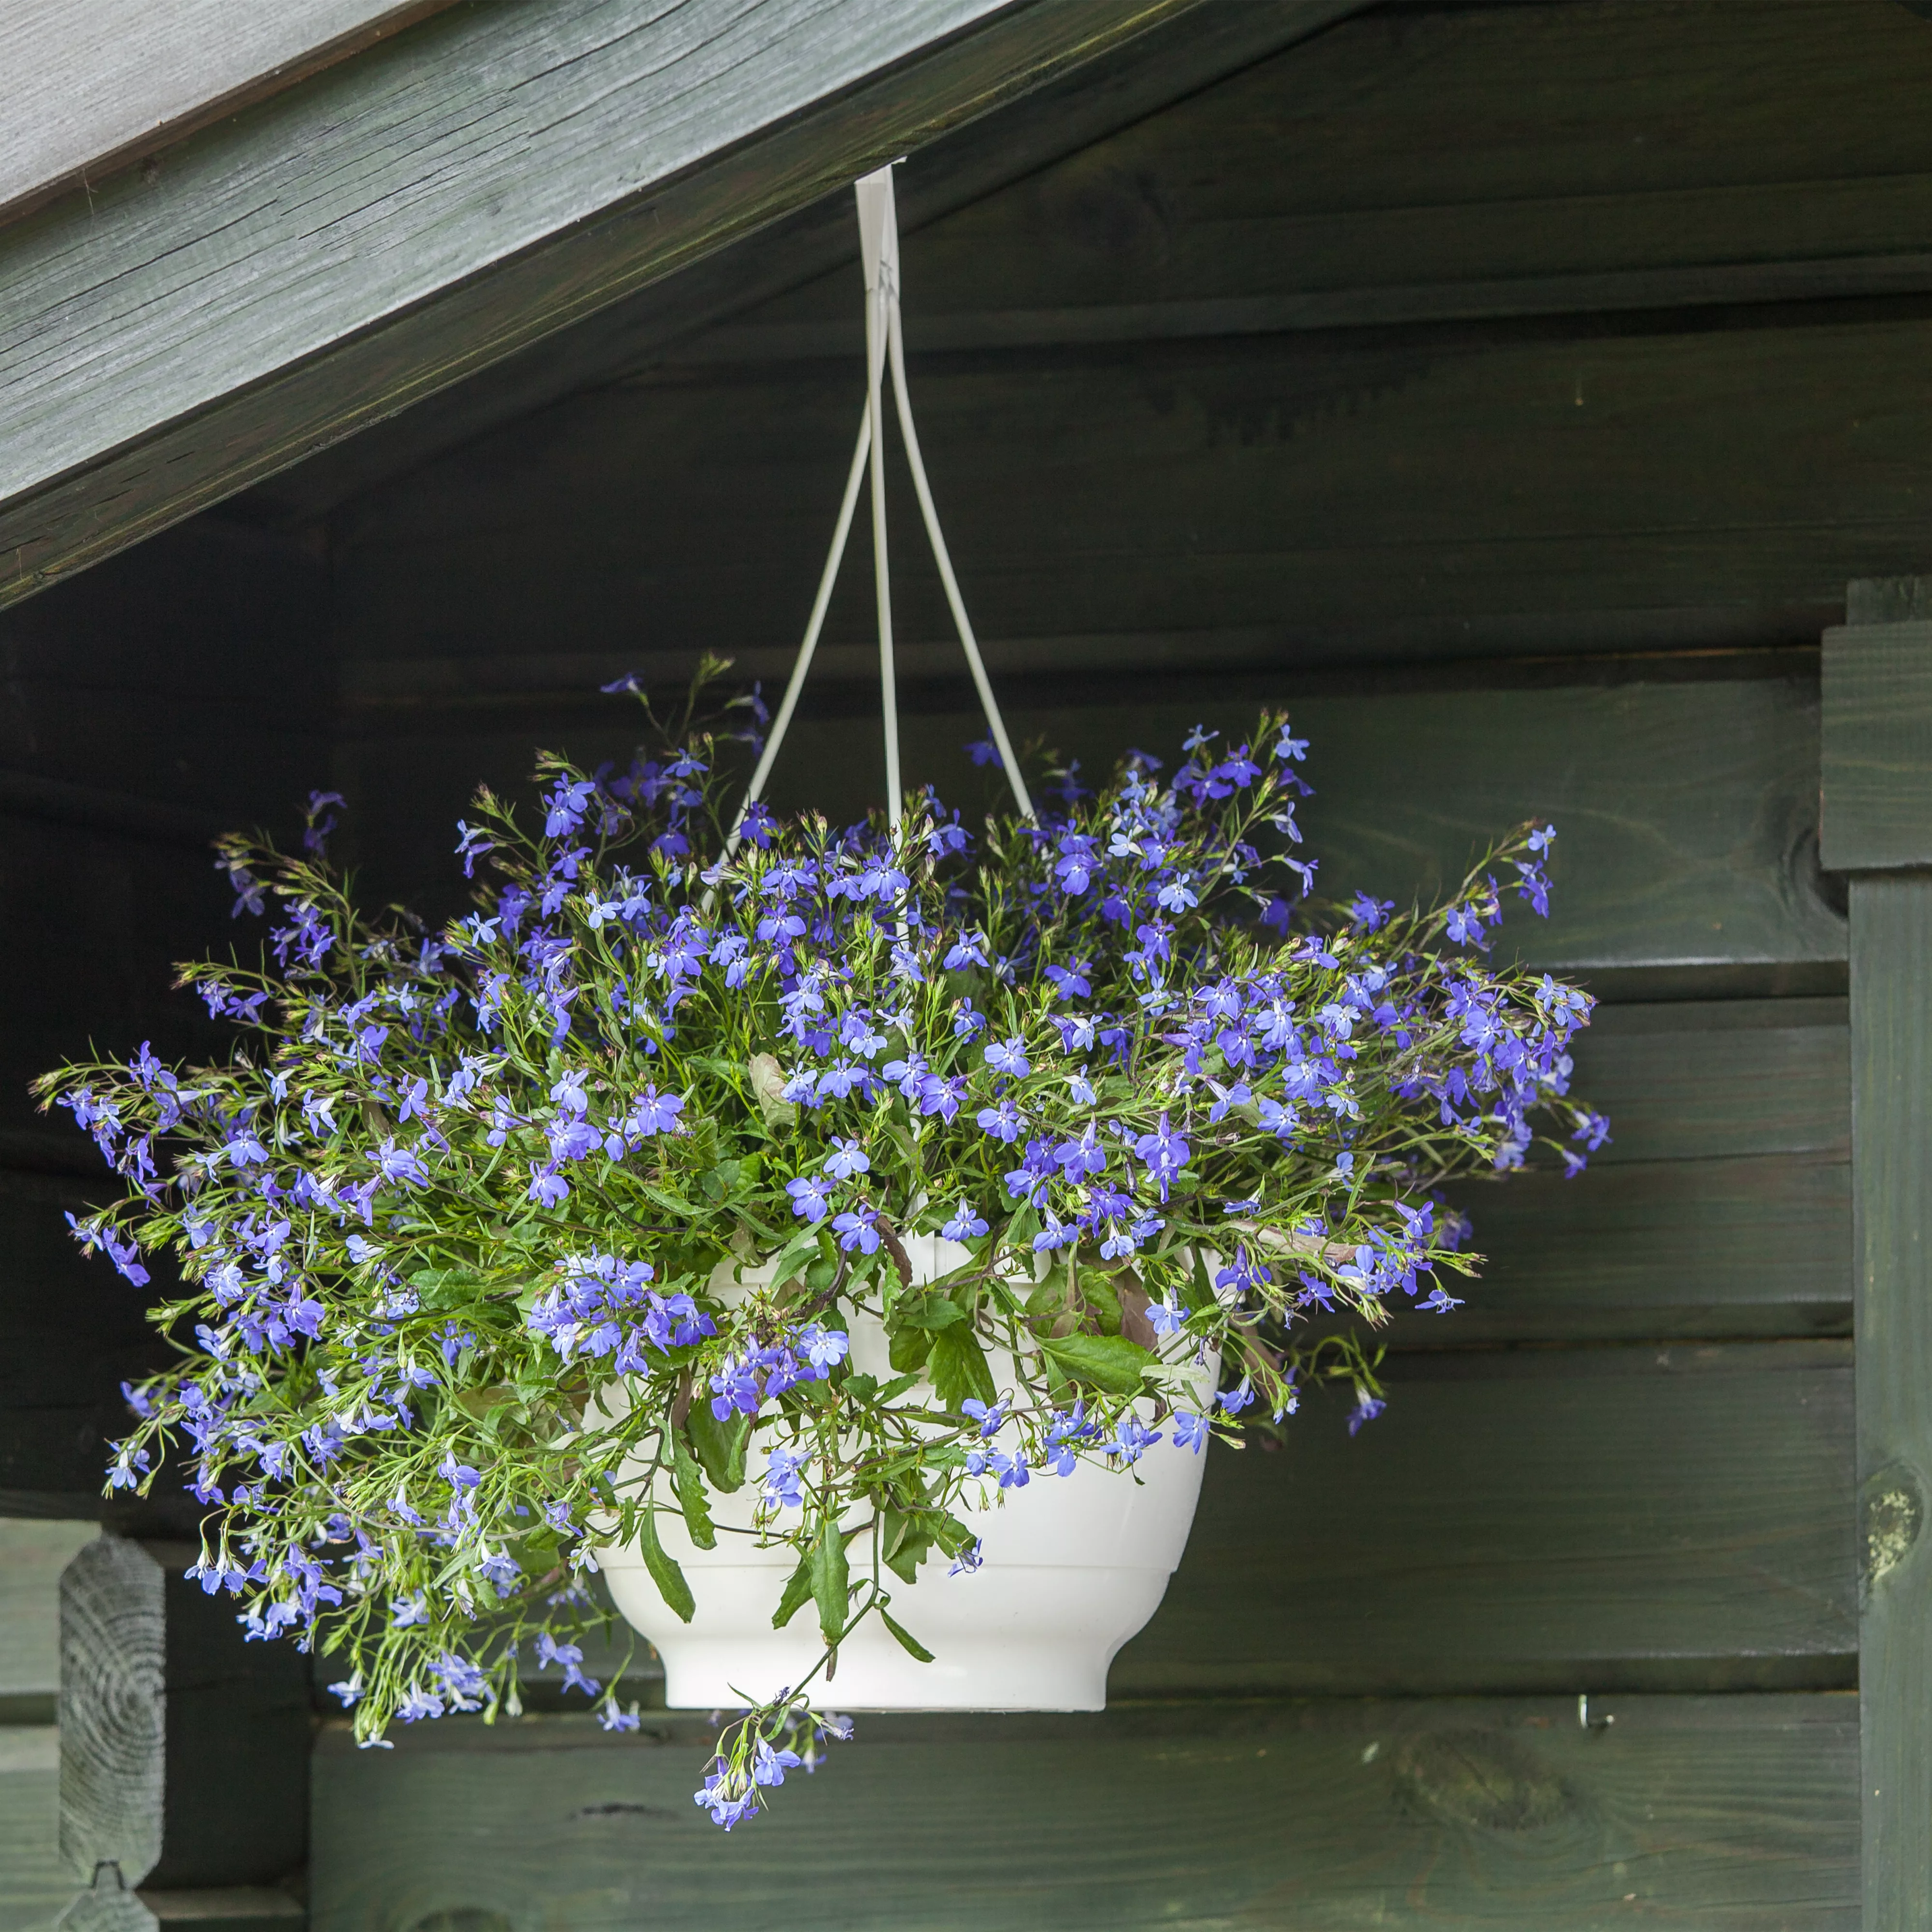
[(1876, 747), (113, 1706), (106, 1905), (1685, 812), (1706, 1248), (32, 1555), (35, 1886), (1734, 1812), (87, 89), (1891, 1074), (183, 1747), (1644, 1517), (617, 142)]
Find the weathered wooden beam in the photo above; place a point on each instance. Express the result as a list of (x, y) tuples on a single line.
[(1462, 1813), (1876, 781), (183, 1750), (386, 229), (85, 90)]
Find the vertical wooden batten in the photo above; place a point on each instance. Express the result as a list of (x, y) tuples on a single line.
[(1876, 760)]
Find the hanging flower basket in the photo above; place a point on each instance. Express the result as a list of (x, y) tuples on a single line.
[(1056, 1584), (845, 1242)]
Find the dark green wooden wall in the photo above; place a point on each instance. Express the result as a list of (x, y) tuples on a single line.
[(1514, 390)]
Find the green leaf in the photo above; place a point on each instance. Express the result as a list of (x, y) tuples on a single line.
[(689, 1482), (1110, 1363), (953, 1536), (907, 1640), (719, 1446), (935, 1312), (1047, 1298), (903, 1542), (791, 1259), (958, 1368), (1098, 1292), (909, 1348), (831, 1581), (665, 1572), (797, 1592), (1199, 1292)]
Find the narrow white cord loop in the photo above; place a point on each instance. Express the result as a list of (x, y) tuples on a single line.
[(885, 344), (881, 303)]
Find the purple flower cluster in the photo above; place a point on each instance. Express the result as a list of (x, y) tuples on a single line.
[(746, 1380), (603, 1307)]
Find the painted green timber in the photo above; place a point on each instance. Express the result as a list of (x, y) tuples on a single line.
[(1251, 505), (1736, 1812), (1877, 784), (1480, 161), (1892, 1077), (445, 198), (1876, 747), (1659, 1249)]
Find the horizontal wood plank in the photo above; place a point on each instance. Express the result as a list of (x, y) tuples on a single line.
[(1505, 1816), (1695, 1248), (1673, 1517), (87, 89)]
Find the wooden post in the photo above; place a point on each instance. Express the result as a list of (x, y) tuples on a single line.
[(183, 1787), (1876, 772)]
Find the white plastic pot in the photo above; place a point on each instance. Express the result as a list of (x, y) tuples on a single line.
[(1073, 1567)]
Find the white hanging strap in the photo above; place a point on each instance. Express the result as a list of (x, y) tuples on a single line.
[(879, 245)]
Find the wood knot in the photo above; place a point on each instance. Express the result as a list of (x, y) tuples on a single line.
[(1484, 1779), (1891, 1512)]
